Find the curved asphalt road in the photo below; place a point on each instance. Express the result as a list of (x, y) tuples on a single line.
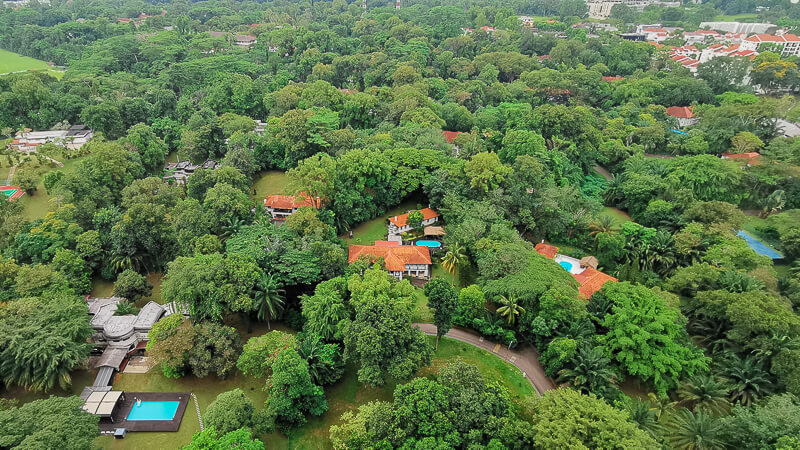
[(526, 360)]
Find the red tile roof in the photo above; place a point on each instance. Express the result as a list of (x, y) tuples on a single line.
[(387, 243), (788, 37), (287, 201), (402, 220), (449, 136), (749, 155), (591, 280), (546, 250), (395, 258), (681, 112), (616, 78)]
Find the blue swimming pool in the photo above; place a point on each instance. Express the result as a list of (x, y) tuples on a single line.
[(758, 246), (153, 411), (430, 244), (566, 265)]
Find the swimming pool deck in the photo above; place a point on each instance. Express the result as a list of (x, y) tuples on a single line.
[(124, 408)]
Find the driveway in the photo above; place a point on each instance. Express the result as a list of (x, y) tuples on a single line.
[(526, 360)]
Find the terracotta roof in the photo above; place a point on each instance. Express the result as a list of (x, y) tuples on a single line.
[(387, 243), (749, 155), (591, 280), (788, 37), (402, 220), (546, 250), (616, 78), (395, 258), (681, 112), (449, 136), (287, 201), (654, 30)]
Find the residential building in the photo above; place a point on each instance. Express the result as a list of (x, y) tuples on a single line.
[(584, 271), (73, 138), (181, 171), (734, 50), (602, 9), (700, 36), (244, 40), (282, 206), (400, 260), (748, 159), (789, 43), (684, 115), (527, 21), (399, 224)]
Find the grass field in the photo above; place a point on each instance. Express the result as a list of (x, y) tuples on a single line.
[(618, 215), (344, 396), (375, 230), (12, 62), (37, 205), (268, 183), (747, 17)]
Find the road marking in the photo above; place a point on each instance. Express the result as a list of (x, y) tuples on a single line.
[(496, 348)]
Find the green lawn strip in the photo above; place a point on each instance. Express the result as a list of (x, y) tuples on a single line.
[(13, 62), (619, 216), (268, 183), (422, 314), (375, 230), (735, 18), (36, 206)]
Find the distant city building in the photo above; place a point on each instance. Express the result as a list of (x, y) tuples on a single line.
[(601, 9), (73, 138)]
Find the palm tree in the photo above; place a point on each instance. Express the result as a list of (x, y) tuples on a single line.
[(591, 371), (510, 309), (269, 298), (773, 203), (694, 431), (746, 379), (613, 192), (603, 224), (661, 253), (704, 393), (644, 415), (454, 257)]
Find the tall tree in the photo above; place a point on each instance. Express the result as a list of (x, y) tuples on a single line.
[(442, 298)]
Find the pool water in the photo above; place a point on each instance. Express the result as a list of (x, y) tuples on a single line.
[(431, 244), (566, 265), (8, 192), (153, 411)]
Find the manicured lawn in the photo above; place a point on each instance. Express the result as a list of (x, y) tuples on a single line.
[(38, 204), (375, 230), (80, 378), (344, 396), (618, 215), (268, 183), (751, 227), (746, 17), (422, 314), (12, 62)]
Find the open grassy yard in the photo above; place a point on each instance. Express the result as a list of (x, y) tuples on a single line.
[(746, 17), (12, 62), (345, 395), (268, 183), (752, 227), (618, 215), (375, 230), (37, 205)]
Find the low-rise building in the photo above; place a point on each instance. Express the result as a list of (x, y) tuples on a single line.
[(244, 40), (282, 206), (181, 171), (789, 44), (73, 138), (584, 271), (684, 115), (399, 224), (400, 260), (748, 159)]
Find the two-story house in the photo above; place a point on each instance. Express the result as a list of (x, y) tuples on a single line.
[(399, 224), (406, 260), (282, 206)]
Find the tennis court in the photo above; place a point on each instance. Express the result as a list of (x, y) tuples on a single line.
[(12, 192)]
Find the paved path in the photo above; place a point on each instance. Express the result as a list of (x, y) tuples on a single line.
[(526, 360), (603, 172)]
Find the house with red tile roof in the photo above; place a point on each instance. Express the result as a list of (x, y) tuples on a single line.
[(400, 260), (749, 159), (450, 136), (684, 115), (590, 280), (282, 206), (399, 224), (788, 42)]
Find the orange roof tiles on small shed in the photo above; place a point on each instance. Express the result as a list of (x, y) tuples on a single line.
[(681, 112), (546, 250), (591, 280), (402, 220), (449, 136), (395, 258)]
